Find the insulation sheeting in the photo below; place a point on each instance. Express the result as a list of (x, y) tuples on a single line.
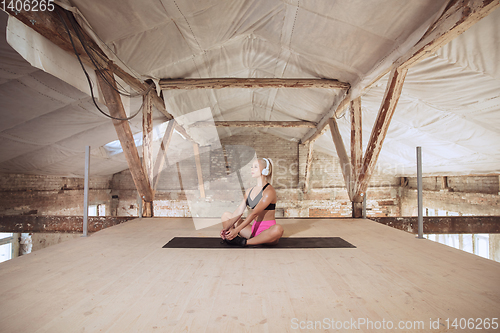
[(449, 105)]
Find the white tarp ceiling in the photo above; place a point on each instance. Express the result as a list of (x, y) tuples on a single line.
[(450, 103)]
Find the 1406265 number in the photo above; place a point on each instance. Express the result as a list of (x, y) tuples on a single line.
[(472, 323), (27, 5)]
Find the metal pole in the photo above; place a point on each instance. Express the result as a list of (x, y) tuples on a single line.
[(86, 191), (420, 196), (364, 206), (140, 205)]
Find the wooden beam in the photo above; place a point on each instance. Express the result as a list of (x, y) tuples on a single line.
[(201, 186), (49, 25), (444, 184), (321, 128), (66, 224), (147, 150), (445, 224), (122, 127), (182, 131), (220, 83), (341, 153), (162, 152), (356, 143), (147, 137), (282, 124), (457, 18), (308, 166), (356, 154), (379, 131), (157, 101)]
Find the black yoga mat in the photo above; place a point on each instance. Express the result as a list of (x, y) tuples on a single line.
[(284, 243)]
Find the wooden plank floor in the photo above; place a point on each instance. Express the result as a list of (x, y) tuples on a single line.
[(121, 280)]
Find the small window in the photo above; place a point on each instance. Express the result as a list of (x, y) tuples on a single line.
[(102, 210), (5, 246), (92, 210), (5, 252)]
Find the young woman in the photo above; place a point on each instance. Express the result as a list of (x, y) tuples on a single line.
[(262, 200)]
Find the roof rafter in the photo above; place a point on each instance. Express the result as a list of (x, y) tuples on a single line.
[(254, 124), (456, 19), (115, 107), (49, 25), (220, 83)]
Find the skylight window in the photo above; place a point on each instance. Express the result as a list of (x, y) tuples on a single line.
[(114, 147)]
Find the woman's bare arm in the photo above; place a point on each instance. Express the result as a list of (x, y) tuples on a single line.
[(236, 214), (268, 197)]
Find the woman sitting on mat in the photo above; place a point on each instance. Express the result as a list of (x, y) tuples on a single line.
[(262, 200)]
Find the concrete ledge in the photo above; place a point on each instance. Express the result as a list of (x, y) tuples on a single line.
[(444, 224), (67, 224)]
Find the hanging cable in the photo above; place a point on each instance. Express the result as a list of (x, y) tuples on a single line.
[(80, 34), (110, 50), (99, 70)]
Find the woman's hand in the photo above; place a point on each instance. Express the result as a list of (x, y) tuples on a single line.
[(230, 234), (223, 233)]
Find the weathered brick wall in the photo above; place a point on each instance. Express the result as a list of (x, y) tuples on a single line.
[(226, 172), (478, 204), (284, 154), (464, 195), (467, 184), (327, 196), (49, 195), (474, 184), (334, 202)]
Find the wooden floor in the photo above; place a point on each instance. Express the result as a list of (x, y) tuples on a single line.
[(121, 280)]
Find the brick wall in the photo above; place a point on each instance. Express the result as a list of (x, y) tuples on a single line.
[(467, 184), (327, 195), (226, 171), (463, 195), (49, 195), (478, 204)]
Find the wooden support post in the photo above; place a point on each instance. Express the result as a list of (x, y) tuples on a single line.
[(403, 181), (196, 149), (356, 144), (122, 127), (341, 152), (147, 137), (308, 166), (147, 208), (379, 131), (444, 184), (227, 167), (219, 83), (356, 155), (162, 153)]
